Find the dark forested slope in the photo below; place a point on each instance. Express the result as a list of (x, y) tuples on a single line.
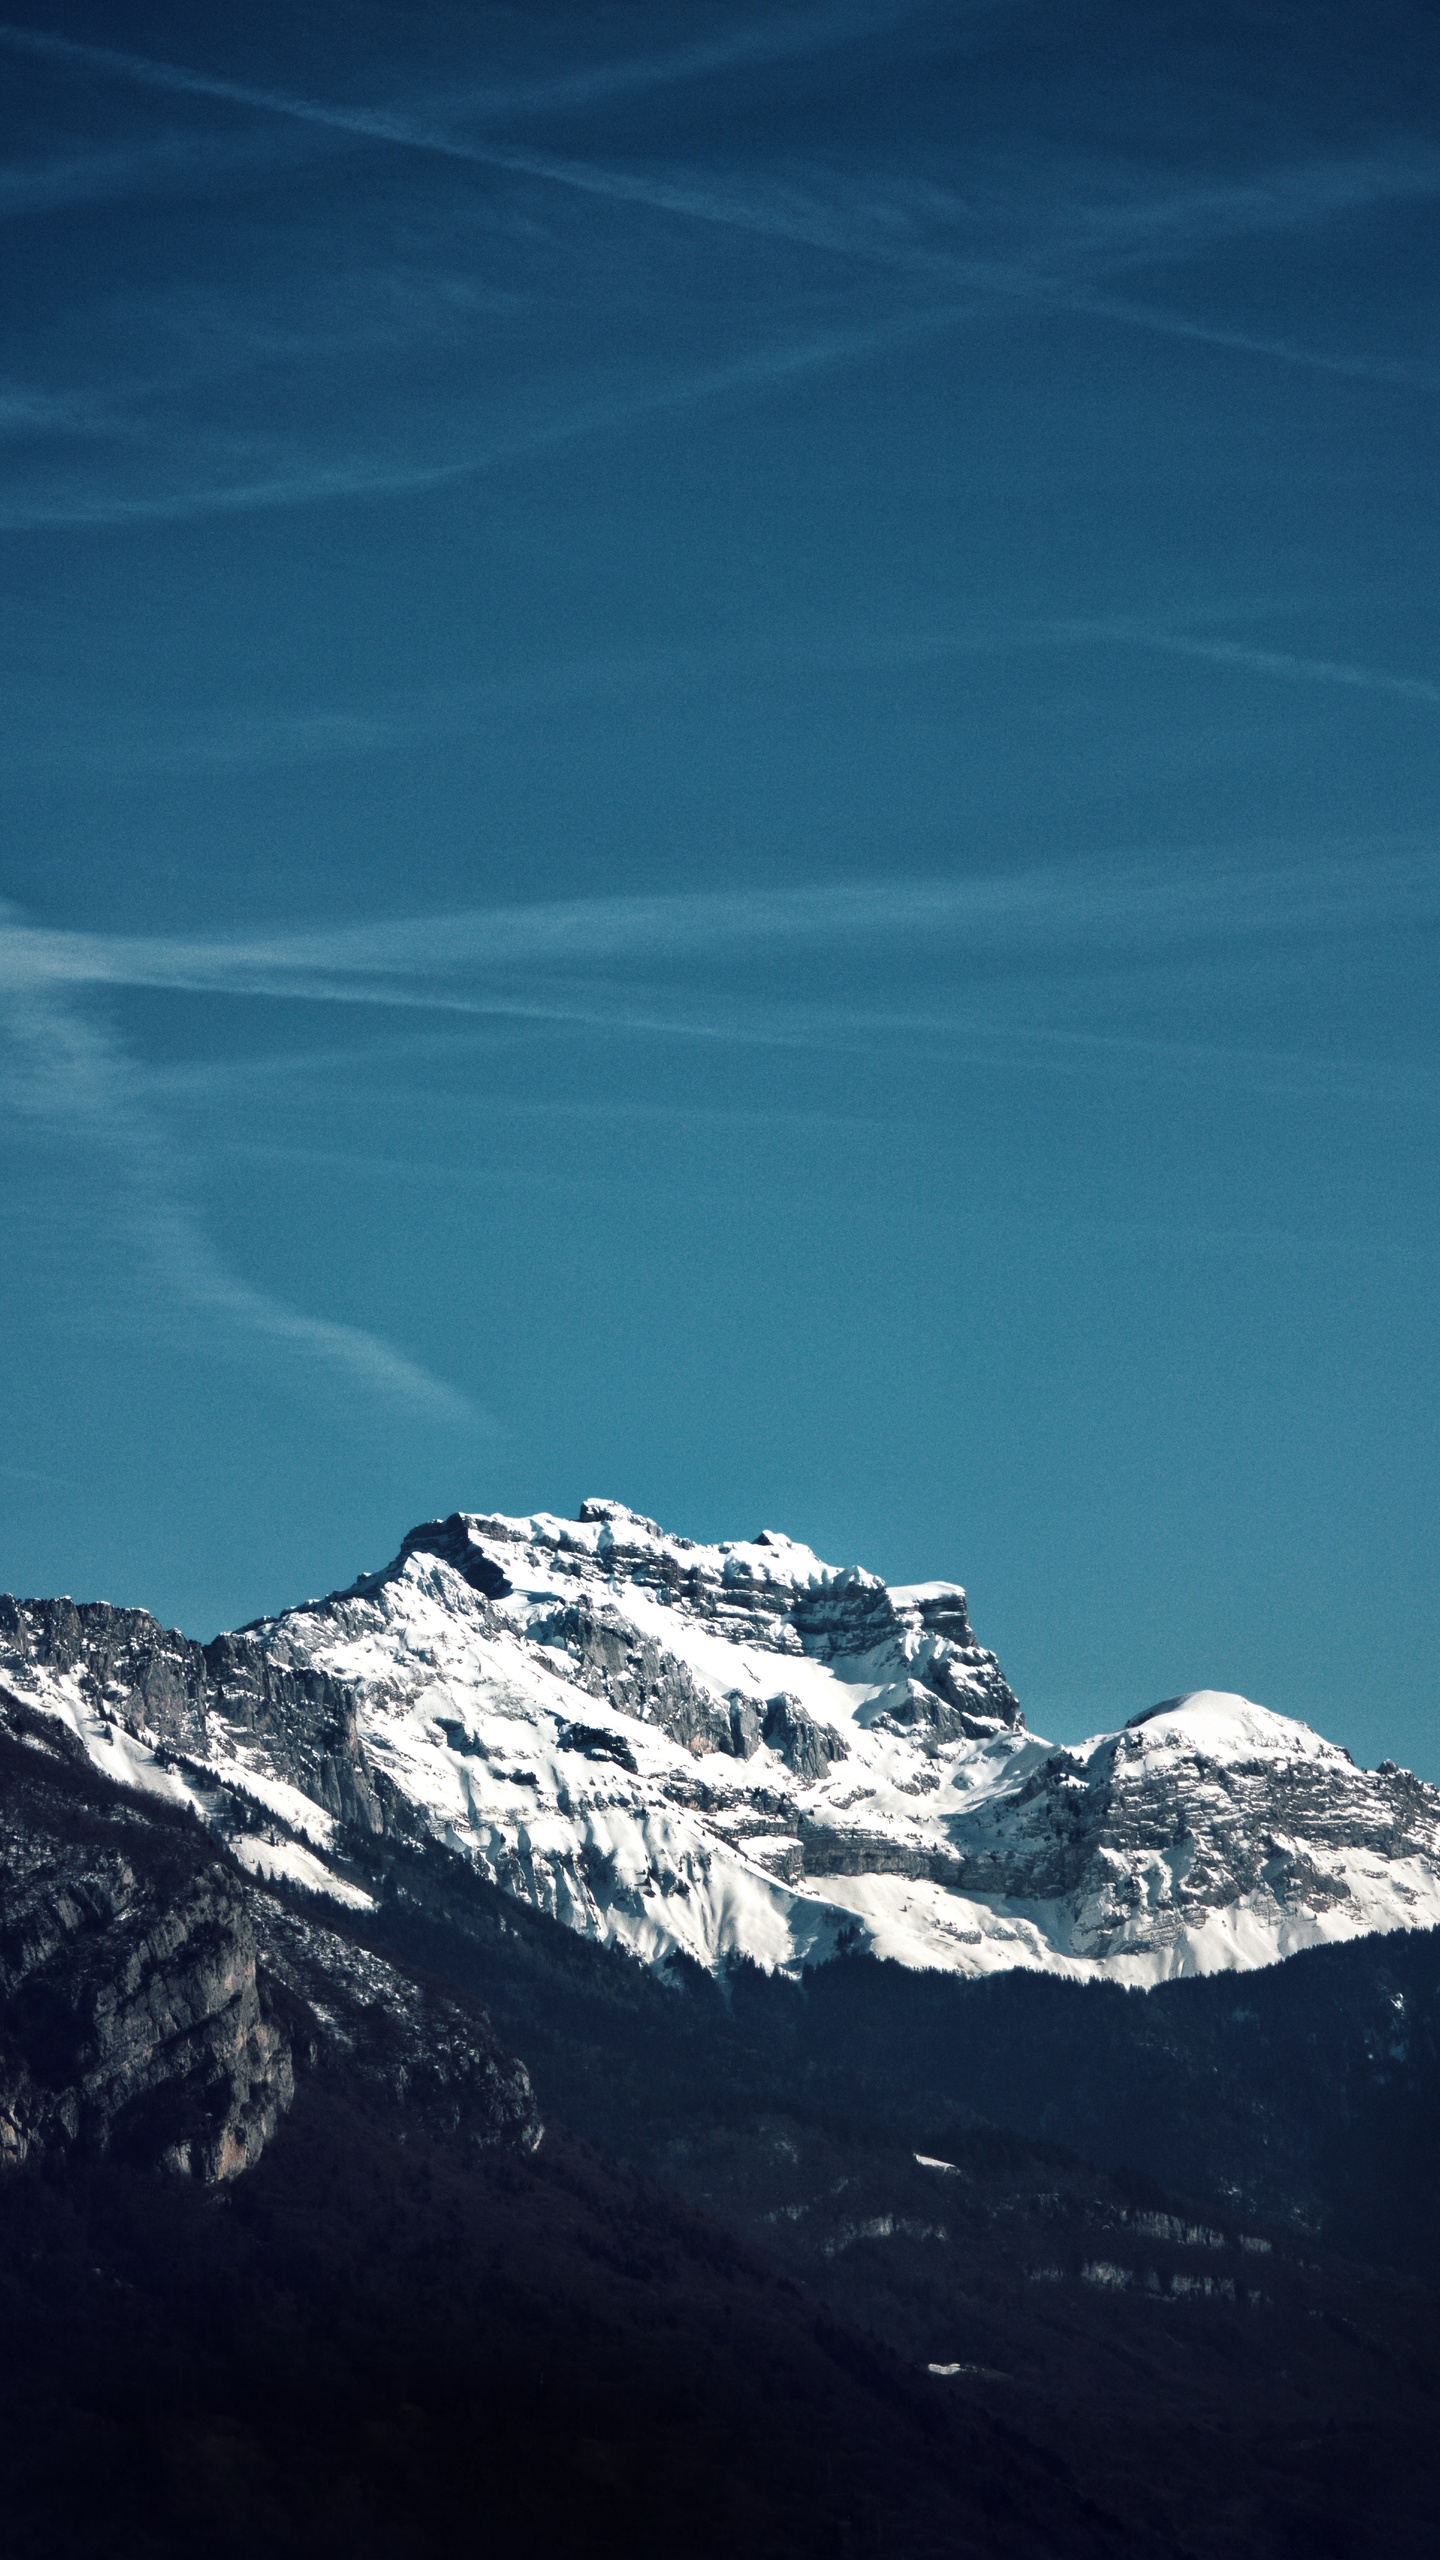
[(283, 2268)]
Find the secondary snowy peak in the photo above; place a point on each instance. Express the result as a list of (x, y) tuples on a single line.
[(1214, 1831), (1220, 1723), (735, 1750)]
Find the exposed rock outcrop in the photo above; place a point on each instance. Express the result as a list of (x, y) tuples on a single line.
[(808, 1748), (197, 1698), (156, 2002), (635, 1675), (132, 2016)]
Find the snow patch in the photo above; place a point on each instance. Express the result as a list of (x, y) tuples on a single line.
[(287, 1862)]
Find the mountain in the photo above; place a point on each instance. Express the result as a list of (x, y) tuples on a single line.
[(295, 2255), (289, 2263), (734, 1752)]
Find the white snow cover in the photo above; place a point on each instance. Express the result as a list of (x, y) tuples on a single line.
[(296, 1865), (1209, 1834), (738, 1750), (1215, 1722)]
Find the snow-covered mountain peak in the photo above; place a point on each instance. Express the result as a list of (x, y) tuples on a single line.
[(739, 1750), (609, 1539), (1217, 1724), (899, 1654)]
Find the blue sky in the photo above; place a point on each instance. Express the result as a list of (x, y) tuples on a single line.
[(720, 753)]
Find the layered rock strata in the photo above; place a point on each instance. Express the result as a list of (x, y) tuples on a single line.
[(734, 1751)]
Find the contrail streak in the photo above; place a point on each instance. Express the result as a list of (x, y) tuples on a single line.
[(1022, 280), (1243, 655), (474, 959), (366, 480), (71, 1076), (778, 40)]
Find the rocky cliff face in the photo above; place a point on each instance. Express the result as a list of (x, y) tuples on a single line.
[(732, 1750), (156, 2003), (768, 1592), (192, 1698), (132, 2016)]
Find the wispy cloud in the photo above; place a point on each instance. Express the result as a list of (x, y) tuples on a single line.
[(174, 162), (573, 963), (471, 961), (1395, 372), (902, 225), (304, 482), (881, 221), (791, 36), (28, 412), (777, 39), (171, 163), (42, 736), (370, 124), (1247, 659), (67, 1074), (1295, 195), (971, 1028)]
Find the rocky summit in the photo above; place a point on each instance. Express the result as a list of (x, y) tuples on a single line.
[(729, 1751)]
